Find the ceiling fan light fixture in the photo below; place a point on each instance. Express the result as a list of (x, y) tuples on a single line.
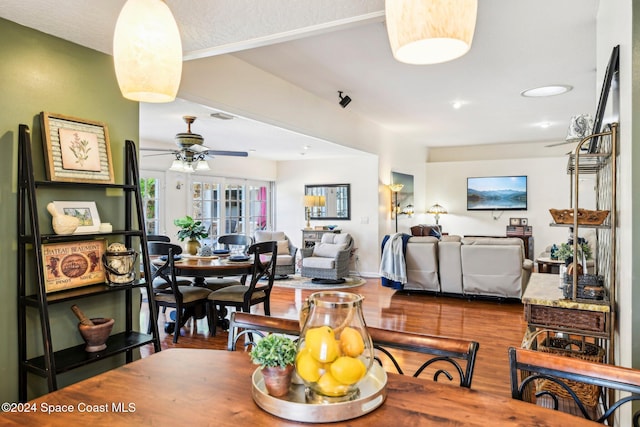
[(430, 31), (177, 166), (202, 165), (147, 52)]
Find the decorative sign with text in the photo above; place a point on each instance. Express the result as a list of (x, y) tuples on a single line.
[(73, 264)]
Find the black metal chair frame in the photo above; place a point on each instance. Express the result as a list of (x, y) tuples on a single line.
[(260, 270), (537, 365), (448, 350), (236, 240), (184, 310)]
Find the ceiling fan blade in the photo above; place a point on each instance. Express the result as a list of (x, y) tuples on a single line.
[(226, 153), (172, 153), (166, 150)]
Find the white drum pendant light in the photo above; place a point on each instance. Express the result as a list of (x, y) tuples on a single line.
[(147, 52), (430, 31)]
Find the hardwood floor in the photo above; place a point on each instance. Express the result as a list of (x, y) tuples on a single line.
[(495, 325)]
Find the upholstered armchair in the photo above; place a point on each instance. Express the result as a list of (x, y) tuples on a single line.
[(328, 260), (286, 259)]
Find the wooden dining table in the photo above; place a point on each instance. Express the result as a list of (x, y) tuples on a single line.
[(214, 387), (202, 267)]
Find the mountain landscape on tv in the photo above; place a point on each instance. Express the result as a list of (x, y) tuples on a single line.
[(496, 199)]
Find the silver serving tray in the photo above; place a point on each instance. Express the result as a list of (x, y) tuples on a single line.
[(295, 407)]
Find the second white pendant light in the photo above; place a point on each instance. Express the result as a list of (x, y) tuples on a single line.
[(430, 31)]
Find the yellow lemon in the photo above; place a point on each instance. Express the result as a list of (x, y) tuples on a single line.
[(348, 370), (329, 386), (307, 367), (351, 342), (322, 344)]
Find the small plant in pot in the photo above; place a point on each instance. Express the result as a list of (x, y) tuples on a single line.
[(190, 230), (276, 355)]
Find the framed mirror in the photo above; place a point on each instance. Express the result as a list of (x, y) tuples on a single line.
[(333, 201)]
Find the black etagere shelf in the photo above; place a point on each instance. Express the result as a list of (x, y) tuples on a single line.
[(51, 363)]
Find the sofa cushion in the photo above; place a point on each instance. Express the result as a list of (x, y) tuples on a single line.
[(283, 247), (426, 230), (328, 250), (336, 238), (265, 236), (318, 262), (423, 239)]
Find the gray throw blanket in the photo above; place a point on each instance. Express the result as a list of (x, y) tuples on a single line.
[(392, 264)]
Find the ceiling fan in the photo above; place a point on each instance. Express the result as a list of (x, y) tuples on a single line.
[(191, 149)]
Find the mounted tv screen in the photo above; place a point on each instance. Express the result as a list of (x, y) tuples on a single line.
[(497, 193)]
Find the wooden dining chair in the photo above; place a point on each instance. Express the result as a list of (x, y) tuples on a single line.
[(229, 240), (243, 297), (189, 301), (246, 324), (447, 353), (159, 274), (529, 368)]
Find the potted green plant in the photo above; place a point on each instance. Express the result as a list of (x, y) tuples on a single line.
[(190, 230), (276, 355), (565, 251)]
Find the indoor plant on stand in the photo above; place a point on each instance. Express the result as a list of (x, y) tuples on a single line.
[(276, 355), (191, 230)]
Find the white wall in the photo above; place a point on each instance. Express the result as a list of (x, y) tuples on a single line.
[(616, 19), (547, 184), (361, 173)]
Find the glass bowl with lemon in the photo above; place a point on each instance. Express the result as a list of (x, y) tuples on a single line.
[(335, 351)]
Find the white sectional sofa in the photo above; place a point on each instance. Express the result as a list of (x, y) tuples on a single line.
[(484, 266)]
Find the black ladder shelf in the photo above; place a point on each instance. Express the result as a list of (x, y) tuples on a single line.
[(30, 259)]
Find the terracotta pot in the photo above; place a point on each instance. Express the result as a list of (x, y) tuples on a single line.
[(277, 380), (192, 246)]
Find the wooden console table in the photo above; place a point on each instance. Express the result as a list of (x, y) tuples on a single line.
[(545, 307)]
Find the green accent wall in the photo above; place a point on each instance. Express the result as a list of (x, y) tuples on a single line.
[(43, 73)]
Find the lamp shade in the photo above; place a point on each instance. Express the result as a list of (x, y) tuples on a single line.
[(430, 31), (309, 201), (437, 209), (396, 187), (147, 52)]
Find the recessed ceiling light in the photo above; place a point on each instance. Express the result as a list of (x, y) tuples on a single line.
[(456, 105), (550, 90), (252, 150), (545, 125), (306, 147)]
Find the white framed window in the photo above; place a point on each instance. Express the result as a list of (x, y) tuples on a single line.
[(231, 206), (151, 191)]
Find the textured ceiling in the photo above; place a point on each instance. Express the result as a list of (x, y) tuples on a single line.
[(326, 45)]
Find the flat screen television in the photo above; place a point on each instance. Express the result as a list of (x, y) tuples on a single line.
[(497, 193)]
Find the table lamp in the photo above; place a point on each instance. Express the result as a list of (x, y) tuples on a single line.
[(437, 210)]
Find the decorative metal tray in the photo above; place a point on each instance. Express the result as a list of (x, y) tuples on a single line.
[(294, 406)]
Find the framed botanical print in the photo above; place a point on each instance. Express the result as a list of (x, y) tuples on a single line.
[(76, 150)]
